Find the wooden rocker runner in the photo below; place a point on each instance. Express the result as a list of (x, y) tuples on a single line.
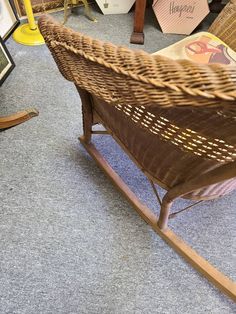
[(175, 119), (17, 118)]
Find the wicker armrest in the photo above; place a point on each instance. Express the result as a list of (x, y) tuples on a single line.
[(224, 25)]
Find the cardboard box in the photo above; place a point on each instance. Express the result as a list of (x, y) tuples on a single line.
[(115, 6), (180, 16)]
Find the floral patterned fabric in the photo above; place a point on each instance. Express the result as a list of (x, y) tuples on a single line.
[(203, 48)]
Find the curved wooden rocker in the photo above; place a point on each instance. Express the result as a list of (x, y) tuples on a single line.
[(17, 118), (175, 119)]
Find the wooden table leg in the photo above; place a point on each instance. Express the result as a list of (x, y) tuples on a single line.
[(17, 118), (137, 36), (216, 6)]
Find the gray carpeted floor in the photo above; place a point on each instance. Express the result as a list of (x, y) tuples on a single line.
[(69, 242)]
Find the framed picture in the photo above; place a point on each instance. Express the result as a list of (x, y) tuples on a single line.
[(8, 19), (41, 6), (6, 62)]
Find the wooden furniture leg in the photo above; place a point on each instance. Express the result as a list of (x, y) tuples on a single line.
[(87, 11), (87, 113), (137, 36), (72, 3), (65, 11), (17, 118), (216, 6)]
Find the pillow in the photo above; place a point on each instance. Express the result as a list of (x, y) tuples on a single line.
[(201, 47)]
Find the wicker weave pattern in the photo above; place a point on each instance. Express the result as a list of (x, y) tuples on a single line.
[(168, 164), (224, 26), (185, 138), (171, 83), (176, 118)]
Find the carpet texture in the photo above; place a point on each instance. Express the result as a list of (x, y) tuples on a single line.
[(69, 242)]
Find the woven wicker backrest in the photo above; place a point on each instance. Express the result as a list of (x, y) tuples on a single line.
[(190, 105), (123, 76)]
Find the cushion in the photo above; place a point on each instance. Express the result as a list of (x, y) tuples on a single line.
[(201, 47)]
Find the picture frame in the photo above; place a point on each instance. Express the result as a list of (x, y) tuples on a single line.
[(9, 20), (6, 62), (41, 6)]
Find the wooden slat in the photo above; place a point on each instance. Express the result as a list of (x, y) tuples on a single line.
[(222, 282), (100, 132)]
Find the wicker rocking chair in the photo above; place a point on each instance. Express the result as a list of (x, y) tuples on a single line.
[(175, 119)]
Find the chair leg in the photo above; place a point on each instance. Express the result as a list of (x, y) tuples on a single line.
[(87, 11), (164, 214), (65, 11), (137, 36), (87, 112)]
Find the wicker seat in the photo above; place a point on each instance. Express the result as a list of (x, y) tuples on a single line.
[(175, 119)]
